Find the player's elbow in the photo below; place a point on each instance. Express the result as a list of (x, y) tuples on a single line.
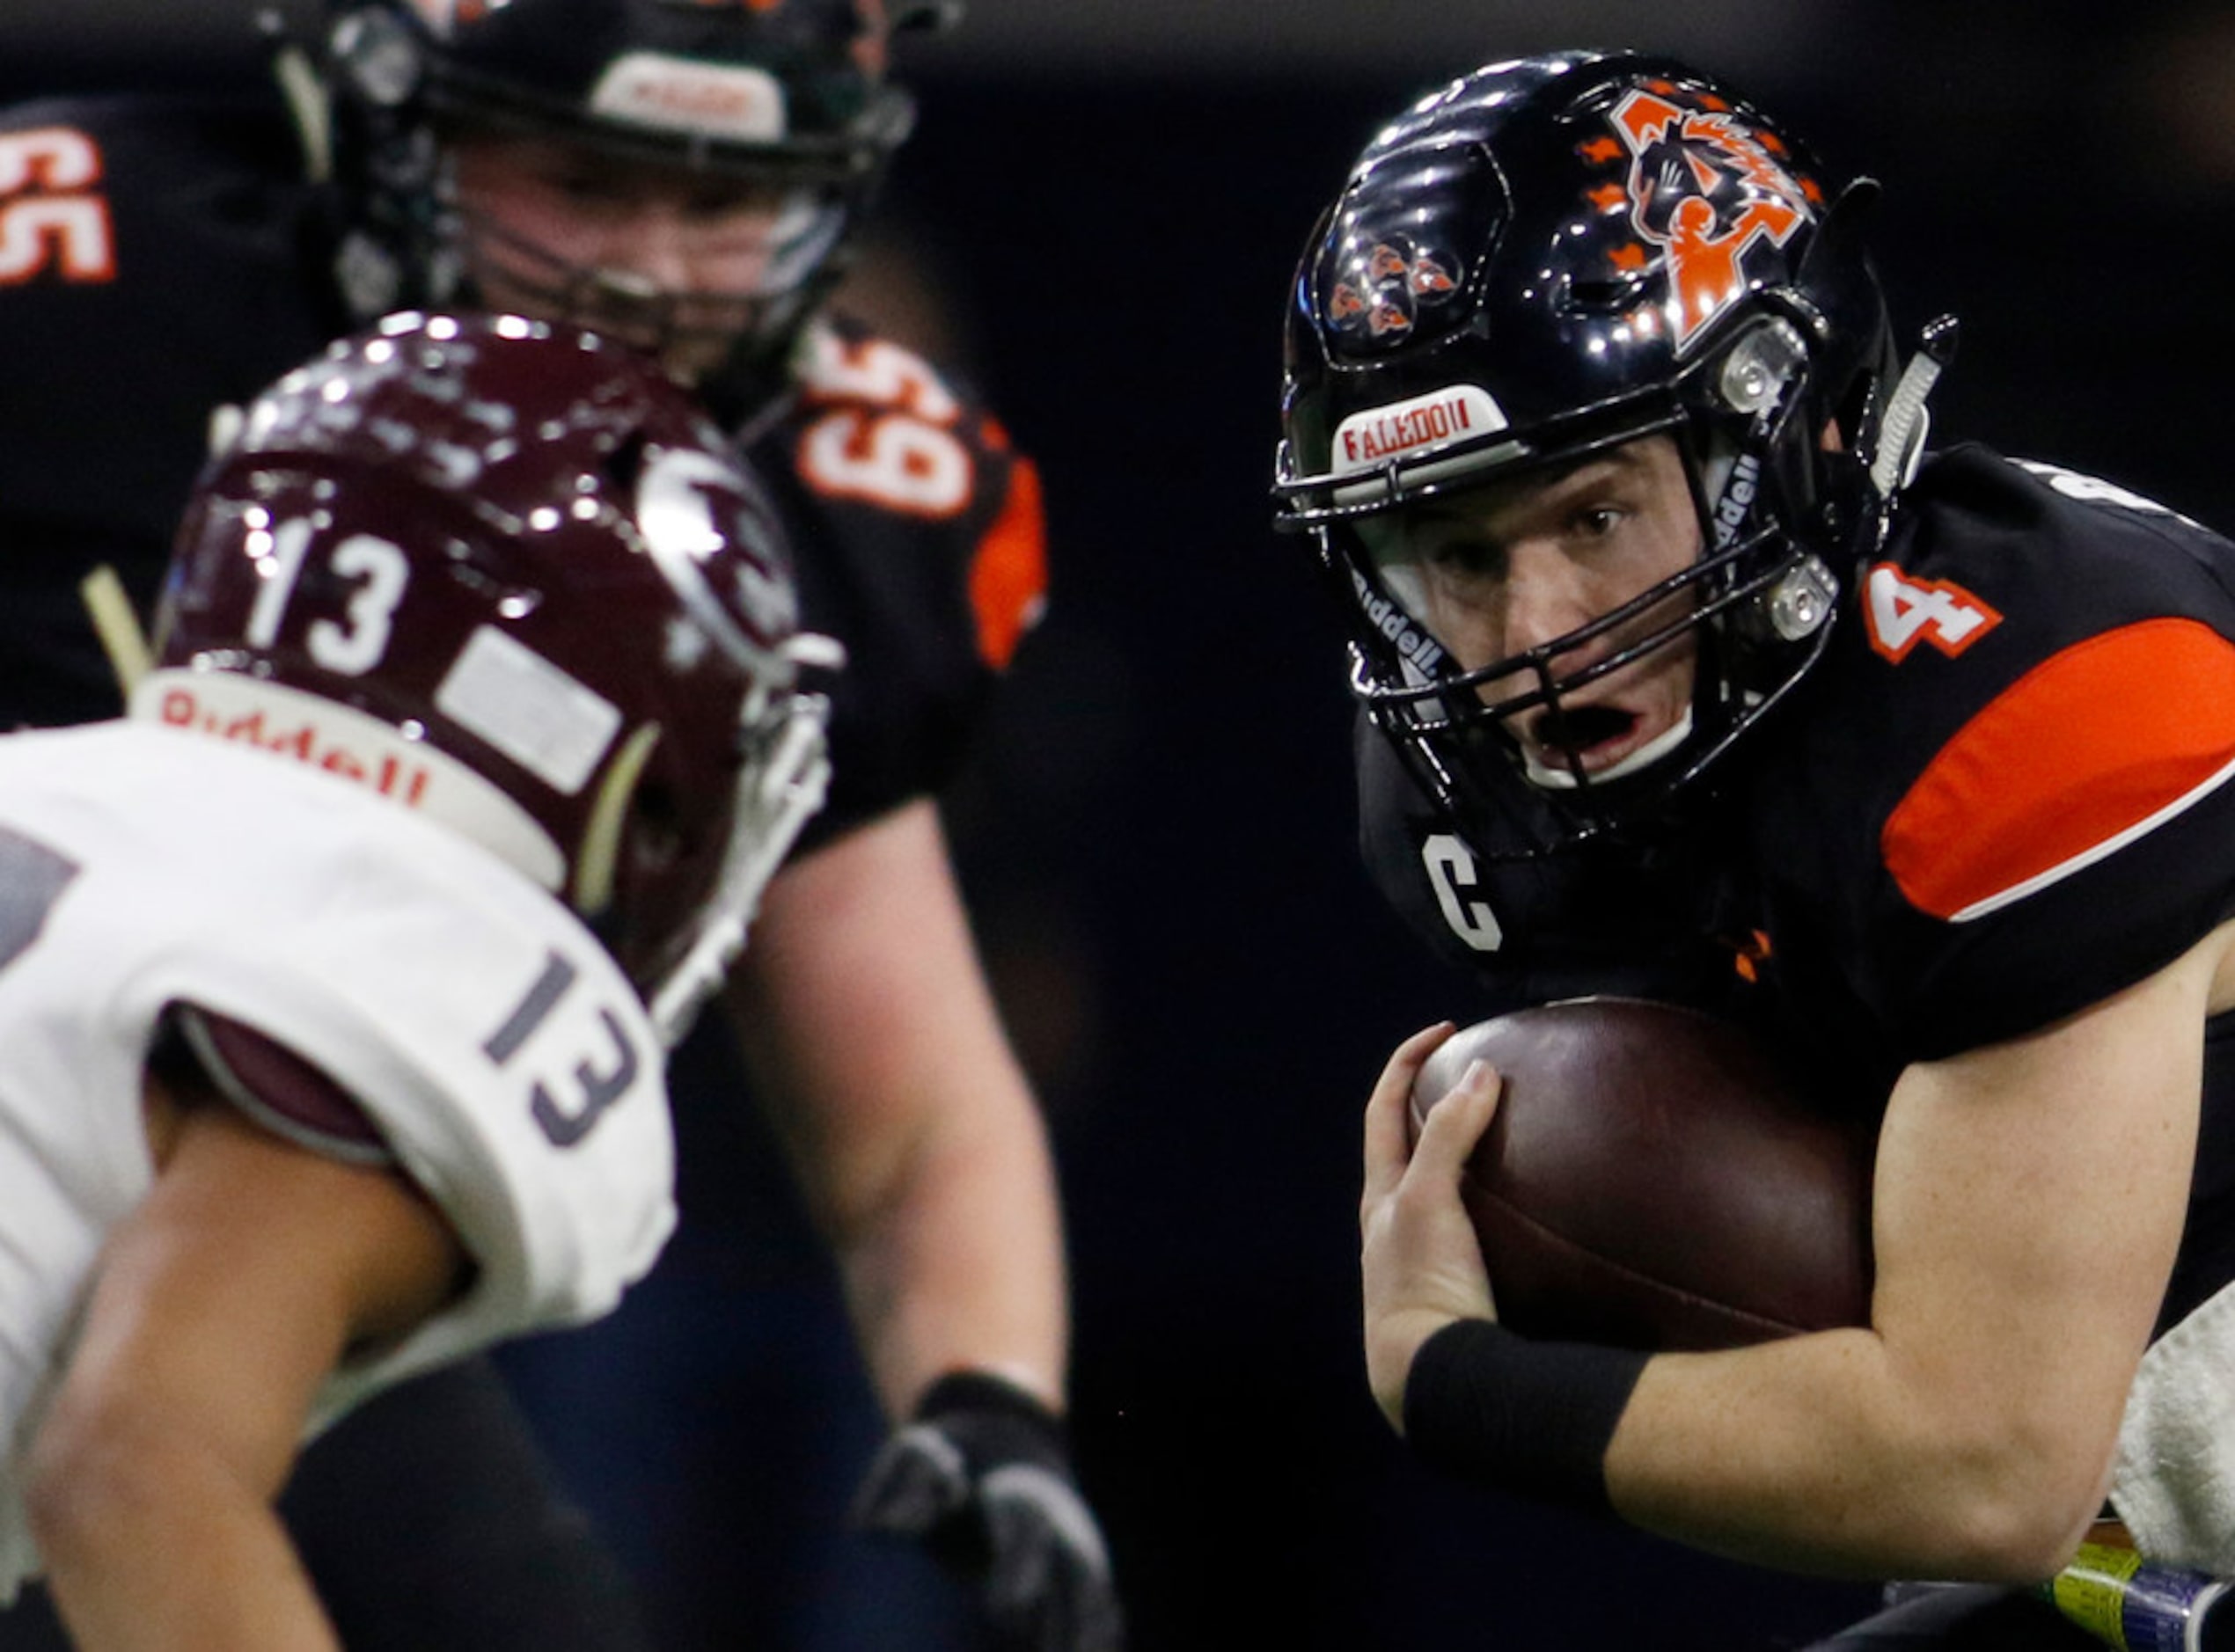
[(2008, 1542), (2018, 1512), (93, 1480)]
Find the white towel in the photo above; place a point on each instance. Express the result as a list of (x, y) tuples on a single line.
[(2175, 1481)]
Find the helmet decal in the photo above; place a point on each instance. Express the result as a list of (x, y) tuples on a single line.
[(1703, 188), (872, 46), (1383, 290), (552, 724), (739, 103), (442, 17), (1374, 435), (690, 504)]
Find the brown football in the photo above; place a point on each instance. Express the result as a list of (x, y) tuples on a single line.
[(1652, 1181)]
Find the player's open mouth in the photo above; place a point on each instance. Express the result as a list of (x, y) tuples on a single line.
[(1605, 741)]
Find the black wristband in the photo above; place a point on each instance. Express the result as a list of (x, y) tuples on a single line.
[(982, 1390), (1529, 1417)]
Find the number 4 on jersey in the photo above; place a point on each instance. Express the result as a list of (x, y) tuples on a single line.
[(1901, 612)]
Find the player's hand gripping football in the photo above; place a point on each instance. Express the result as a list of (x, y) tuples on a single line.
[(982, 1478), (1421, 1262)]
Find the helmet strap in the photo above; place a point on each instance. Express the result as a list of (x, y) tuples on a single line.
[(1902, 429), (599, 851)]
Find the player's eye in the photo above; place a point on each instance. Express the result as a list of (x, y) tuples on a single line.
[(1597, 522)]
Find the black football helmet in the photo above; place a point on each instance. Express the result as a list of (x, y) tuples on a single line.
[(505, 573), (790, 94), (1541, 261)]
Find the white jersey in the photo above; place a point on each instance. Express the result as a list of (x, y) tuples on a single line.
[(487, 1035)]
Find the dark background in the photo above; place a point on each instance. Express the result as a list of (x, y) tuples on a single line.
[(1108, 201)]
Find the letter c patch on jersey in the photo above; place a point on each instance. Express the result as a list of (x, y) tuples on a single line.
[(1459, 892), (1899, 612)]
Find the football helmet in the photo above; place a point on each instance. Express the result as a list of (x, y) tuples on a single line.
[(787, 94), (1541, 261), (504, 573)]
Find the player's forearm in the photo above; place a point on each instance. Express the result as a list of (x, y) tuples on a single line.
[(1820, 1454), (152, 1546), (2027, 1205), (958, 1263), (877, 1045)]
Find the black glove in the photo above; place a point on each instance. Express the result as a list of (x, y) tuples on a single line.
[(981, 1477)]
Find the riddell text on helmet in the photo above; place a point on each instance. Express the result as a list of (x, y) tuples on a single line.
[(387, 774), (1418, 648)]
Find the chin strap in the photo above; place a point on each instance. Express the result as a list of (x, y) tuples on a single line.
[(304, 88), (117, 623), (1901, 432)]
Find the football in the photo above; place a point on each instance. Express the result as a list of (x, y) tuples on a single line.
[(1650, 1181)]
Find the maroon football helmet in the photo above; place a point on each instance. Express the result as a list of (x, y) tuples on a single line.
[(507, 573)]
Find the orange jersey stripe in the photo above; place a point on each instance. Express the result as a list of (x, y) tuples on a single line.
[(2066, 764), (1008, 575)]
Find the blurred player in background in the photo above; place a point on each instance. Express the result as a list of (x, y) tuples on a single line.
[(318, 1076), (686, 176), (1690, 672)]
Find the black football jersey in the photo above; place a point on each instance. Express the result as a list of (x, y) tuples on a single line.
[(919, 542), (169, 261), (2005, 793), (160, 249), (1645, 921)]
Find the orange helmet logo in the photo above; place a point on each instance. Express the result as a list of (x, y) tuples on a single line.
[(1430, 278), (1704, 188)]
